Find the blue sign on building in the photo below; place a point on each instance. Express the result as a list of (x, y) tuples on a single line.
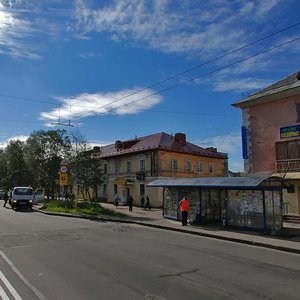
[(290, 131), (244, 142)]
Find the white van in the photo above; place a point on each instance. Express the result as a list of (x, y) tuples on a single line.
[(22, 197)]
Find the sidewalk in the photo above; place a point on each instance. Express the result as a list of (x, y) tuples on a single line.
[(290, 242)]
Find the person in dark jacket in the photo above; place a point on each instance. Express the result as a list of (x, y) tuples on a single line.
[(130, 202), (142, 202), (116, 200), (147, 203), (5, 198)]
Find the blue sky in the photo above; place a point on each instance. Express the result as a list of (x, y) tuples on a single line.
[(103, 65)]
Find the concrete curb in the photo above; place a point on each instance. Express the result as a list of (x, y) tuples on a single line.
[(199, 233)]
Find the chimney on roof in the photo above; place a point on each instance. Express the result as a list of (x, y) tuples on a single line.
[(96, 149), (180, 138), (212, 149), (118, 145)]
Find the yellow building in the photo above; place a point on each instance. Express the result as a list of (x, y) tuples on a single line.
[(128, 166)]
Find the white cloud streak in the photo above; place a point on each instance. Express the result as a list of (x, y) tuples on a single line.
[(175, 27), (118, 103), (13, 34), (201, 29)]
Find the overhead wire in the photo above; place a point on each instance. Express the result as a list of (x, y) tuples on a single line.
[(187, 81), (86, 114), (190, 69)]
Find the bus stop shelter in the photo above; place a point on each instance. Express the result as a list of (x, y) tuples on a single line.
[(251, 203)]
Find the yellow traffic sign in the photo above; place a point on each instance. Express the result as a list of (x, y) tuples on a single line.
[(63, 179)]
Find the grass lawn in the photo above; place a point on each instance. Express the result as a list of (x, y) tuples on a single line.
[(79, 208)]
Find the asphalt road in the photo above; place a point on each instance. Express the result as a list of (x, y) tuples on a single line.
[(50, 257)]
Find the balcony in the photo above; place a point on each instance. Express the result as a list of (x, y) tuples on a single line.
[(287, 166), (140, 175)]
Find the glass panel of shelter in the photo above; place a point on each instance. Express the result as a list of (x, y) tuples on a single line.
[(210, 205), (171, 203), (245, 208)]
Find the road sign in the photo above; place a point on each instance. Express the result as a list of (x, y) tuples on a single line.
[(63, 169), (63, 179)]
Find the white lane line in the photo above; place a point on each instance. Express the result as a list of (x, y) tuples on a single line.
[(10, 287), (3, 295), (28, 284)]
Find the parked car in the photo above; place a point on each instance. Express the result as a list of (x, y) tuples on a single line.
[(2, 194), (22, 197)]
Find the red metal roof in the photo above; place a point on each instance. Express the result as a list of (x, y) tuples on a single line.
[(158, 141)]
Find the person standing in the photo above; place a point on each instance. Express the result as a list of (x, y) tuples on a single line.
[(116, 200), (130, 202), (147, 203), (184, 208), (142, 202), (5, 198)]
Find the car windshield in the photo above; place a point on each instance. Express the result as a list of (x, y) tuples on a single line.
[(23, 191)]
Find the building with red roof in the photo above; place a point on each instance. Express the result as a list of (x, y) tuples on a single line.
[(128, 166)]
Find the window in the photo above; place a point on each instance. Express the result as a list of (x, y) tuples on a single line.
[(104, 189), (105, 169), (115, 189), (142, 165), (199, 167), (128, 166), (288, 150), (211, 168), (298, 111), (173, 165), (116, 167), (188, 166)]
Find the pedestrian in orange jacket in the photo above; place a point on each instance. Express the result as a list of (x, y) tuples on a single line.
[(184, 208)]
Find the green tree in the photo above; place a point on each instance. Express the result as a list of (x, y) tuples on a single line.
[(4, 183), (18, 173), (44, 153), (85, 168)]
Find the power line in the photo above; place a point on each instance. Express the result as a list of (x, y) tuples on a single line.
[(166, 79), (193, 68), (27, 99), (190, 80)]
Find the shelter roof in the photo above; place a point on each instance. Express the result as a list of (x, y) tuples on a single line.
[(214, 182)]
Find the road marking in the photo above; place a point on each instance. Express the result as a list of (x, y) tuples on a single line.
[(10, 287), (3, 295), (19, 274)]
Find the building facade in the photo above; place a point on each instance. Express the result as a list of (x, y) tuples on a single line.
[(128, 166), (271, 135)]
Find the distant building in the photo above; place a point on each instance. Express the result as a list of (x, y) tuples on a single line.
[(128, 166), (271, 135)]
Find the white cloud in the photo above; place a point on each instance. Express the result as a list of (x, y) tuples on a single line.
[(265, 6), (4, 143), (204, 30), (86, 105), (175, 27), (21, 138), (229, 143), (88, 55), (240, 85), (13, 34)]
